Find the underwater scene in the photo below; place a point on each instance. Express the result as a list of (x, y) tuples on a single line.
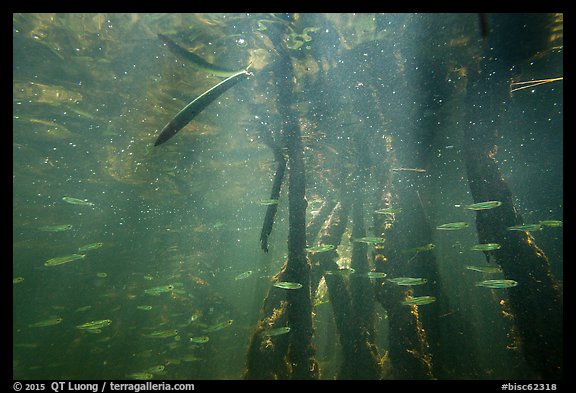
[(287, 196)]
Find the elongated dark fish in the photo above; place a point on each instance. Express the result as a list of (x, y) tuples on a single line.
[(195, 60), (197, 105)]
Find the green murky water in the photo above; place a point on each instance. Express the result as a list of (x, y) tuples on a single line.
[(171, 234)]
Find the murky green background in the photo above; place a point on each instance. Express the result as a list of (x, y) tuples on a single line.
[(91, 92)]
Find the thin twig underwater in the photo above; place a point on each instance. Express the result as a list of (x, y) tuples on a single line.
[(529, 84)]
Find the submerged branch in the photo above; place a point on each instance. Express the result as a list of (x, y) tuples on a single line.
[(271, 210)]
